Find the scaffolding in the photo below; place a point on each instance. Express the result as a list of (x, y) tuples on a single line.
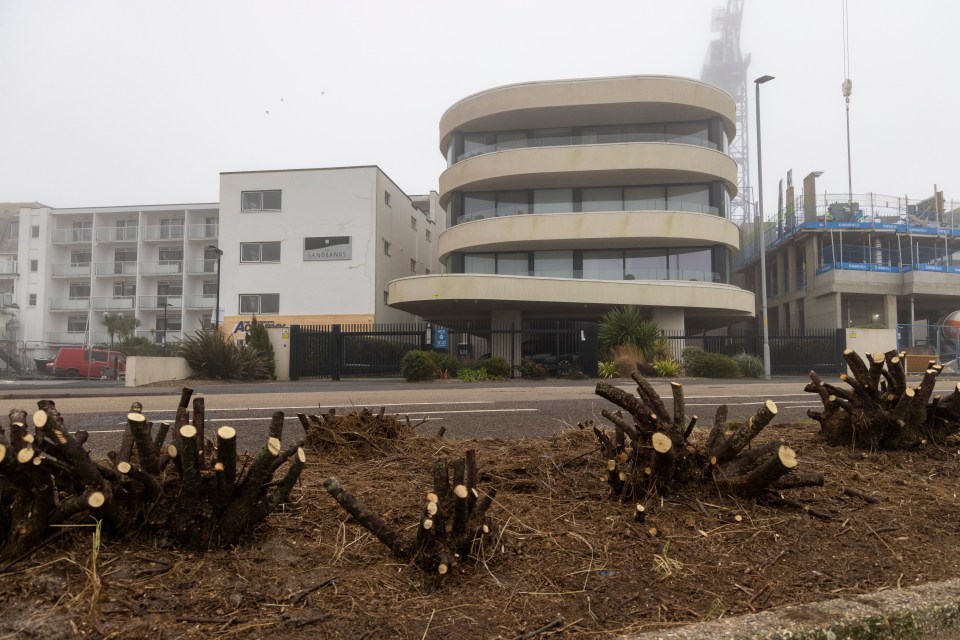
[(726, 69)]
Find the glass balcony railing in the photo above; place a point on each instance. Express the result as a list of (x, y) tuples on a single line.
[(161, 302), (72, 236), (203, 231), (568, 208), (69, 304), (9, 267), (128, 268), (199, 267), (70, 270), (114, 303), (117, 234), (162, 232), (66, 337), (201, 301), (161, 267), (692, 275)]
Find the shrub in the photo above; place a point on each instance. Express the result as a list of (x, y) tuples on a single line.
[(626, 326), (418, 365), (259, 340), (213, 354), (750, 365), (446, 363), (628, 359), (532, 370), (496, 368), (607, 369), (704, 364), (478, 374), (667, 367)]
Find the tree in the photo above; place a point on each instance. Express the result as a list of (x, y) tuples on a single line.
[(118, 326), (626, 325), (259, 340)]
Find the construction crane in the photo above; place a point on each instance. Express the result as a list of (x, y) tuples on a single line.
[(726, 68)]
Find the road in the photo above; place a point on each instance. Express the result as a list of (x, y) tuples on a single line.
[(513, 409)]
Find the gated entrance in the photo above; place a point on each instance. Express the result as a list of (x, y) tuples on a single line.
[(354, 351)]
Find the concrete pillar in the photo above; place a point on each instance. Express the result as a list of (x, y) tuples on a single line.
[(791, 268), (838, 310), (508, 346), (671, 321), (890, 311)]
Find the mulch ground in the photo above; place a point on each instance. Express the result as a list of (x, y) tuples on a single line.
[(572, 563)]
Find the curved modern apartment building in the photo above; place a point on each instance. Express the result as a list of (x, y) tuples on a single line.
[(566, 198)]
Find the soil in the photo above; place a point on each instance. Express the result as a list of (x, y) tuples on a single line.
[(573, 562)]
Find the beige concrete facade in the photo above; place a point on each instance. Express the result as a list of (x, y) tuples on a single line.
[(567, 198)]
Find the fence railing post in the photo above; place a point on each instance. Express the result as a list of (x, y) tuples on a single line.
[(336, 352), (295, 346)]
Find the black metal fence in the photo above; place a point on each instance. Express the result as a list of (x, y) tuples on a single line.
[(791, 353), (338, 351)]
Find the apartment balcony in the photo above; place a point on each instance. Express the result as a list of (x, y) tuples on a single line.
[(70, 270), (66, 337), (159, 303), (69, 304), (201, 302), (114, 303), (201, 232), (161, 267), (159, 336), (6, 299), (9, 268), (73, 236), (162, 233), (116, 268), (201, 267), (117, 234)]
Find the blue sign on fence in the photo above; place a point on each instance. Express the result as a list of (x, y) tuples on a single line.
[(441, 338)]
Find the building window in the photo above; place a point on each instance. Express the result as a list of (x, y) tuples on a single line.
[(14, 229), (124, 289), (35, 231), (428, 236), (76, 324), (80, 257), (386, 297), (34, 265), (79, 290), (171, 228), (32, 300), (260, 200), (413, 265), (413, 222), (259, 252), (254, 303), (386, 198), (386, 247)]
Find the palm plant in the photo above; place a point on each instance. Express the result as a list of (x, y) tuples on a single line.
[(627, 326)]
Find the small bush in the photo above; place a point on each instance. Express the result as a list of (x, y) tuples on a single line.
[(259, 340), (607, 369), (626, 325), (213, 354), (416, 366), (496, 368), (703, 364), (447, 365), (532, 370), (478, 374), (667, 368), (750, 365), (628, 359)]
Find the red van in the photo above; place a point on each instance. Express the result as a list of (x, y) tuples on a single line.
[(75, 362)]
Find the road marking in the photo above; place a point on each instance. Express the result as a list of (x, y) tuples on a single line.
[(338, 406), (411, 415), (103, 431)]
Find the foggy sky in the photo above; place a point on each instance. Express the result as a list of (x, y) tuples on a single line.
[(125, 102)]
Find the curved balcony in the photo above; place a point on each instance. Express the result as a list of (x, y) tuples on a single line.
[(589, 166), (473, 295), (589, 101), (637, 229)]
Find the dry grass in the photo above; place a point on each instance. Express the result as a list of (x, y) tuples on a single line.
[(627, 357), (573, 563)]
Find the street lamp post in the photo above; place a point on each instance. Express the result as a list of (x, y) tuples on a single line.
[(763, 249), (216, 311)]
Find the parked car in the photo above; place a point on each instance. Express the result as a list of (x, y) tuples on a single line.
[(75, 362)]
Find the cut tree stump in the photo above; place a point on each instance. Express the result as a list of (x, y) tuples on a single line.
[(880, 410), (192, 492), (655, 453), (453, 523)]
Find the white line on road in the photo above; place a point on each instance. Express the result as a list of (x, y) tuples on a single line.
[(411, 415), (339, 406)]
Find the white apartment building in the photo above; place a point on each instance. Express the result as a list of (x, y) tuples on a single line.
[(306, 246)]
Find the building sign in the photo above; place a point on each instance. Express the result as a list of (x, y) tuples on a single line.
[(327, 248), (441, 338)]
